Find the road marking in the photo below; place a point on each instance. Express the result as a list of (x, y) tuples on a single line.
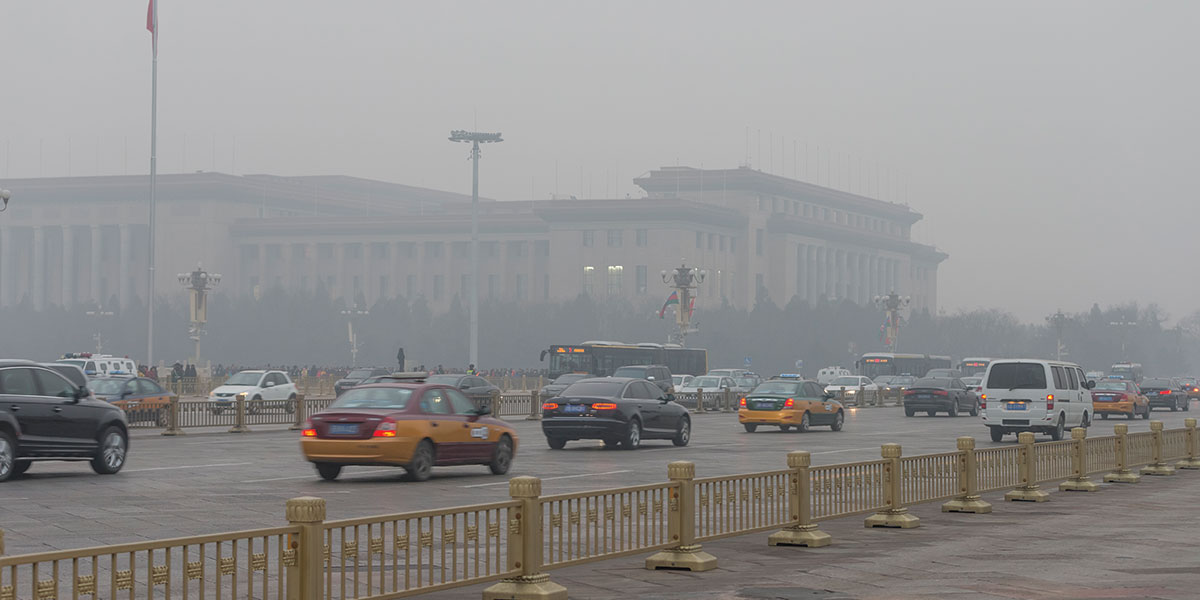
[(393, 470), (479, 485), (188, 467)]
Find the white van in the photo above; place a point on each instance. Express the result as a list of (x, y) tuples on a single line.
[(1029, 394), (828, 374), (100, 365)]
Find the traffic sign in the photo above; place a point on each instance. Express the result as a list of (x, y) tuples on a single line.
[(747, 361), (799, 363)]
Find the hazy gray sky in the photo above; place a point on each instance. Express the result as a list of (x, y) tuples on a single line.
[(1049, 144)]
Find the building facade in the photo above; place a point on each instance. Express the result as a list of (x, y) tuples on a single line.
[(84, 240)]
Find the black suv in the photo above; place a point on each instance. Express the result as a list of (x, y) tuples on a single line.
[(659, 375), (43, 416), (357, 377)]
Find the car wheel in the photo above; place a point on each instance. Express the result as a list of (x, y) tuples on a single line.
[(217, 411), (1087, 421), (633, 435), (683, 433), (1104, 416), (556, 443), (329, 471), (8, 456), (750, 427), (1057, 433), (785, 428), (1145, 415), (932, 413), (163, 418), (953, 412), (1174, 405), (974, 409), (290, 407), (997, 433), (420, 466), (1132, 415), (908, 412), (503, 457), (110, 456), (803, 427), (838, 421)]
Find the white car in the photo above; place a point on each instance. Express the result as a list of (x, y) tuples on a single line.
[(851, 384), (828, 374), (710, 383), (259, 389), (1029, 394), (680, 381)]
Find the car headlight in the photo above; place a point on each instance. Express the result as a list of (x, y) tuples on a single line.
[(241, 396)]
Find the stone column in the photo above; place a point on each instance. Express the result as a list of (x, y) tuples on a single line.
[(310, 257), (38, 274), (68, 266), (394, 270), (7, 264), (802, 271), (123, 276), (95, 276), (822, 272), (367, 248), (864, 280), (340, 276)]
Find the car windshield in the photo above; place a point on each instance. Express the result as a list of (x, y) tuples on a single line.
[(569, 378), (1017, 376), (845, 381), (244, 378), (778, 387), (1117, 386), (443, 379), (746, 381), (374, 397), (602, 389), (932, 382), (707, 383), (107, 387), (885, 379), (637, 372), (359, 374)]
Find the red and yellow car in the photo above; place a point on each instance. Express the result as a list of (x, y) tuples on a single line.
[(407, 423), (789, 402), (1119, 397)]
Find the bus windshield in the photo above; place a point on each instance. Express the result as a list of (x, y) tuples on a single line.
[(603, 360)]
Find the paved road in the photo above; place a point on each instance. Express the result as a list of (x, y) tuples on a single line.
[(207, 483)]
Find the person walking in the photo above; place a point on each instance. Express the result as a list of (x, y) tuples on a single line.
[(400, 357)]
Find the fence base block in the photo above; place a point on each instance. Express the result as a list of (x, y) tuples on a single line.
[(1122, 477), (178, 431), (898, 518), (969, 504), (1083, 484), (239, 429), (1188, 463), (1158, 470), (532, 587), (802, 535), (1027, 494), (533, 418), (686, 558)]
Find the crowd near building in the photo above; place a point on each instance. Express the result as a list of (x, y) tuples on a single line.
[(83, 240)]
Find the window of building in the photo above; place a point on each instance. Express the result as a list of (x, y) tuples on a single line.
[(762, 203), (614, 280), (640, 274), (712, 241), (588, 238), (353, 251), (460, 249), (379, 250), (489, 249), (640, 235), (614, 238), (541, 247), (437, 287), (759, 288), (522, 286), (408, 249), (518, 249), (699, 240), (732, 245), (433, 249), (274, 251), (588, 284), (545, 287), (774, 204), (330, 283), (383, 286), (722, 242), (356, 284), (249, 252), (758, 242)]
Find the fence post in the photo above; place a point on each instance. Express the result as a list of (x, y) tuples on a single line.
[(173, 417), (535, 406), (1027, 472), (1158, 467), (1191, 461), (894, 515), (1122, 474), (1079, 477), (727, 398), (494, 401), (802, 532), (681, 525), (300, 416), (525, 548), (239, 423), (699, 399), (305, 557), (968, 500)]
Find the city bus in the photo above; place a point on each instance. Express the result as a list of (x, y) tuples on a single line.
[(1129, 371), (601, 358), (973, 366), (874, 364)]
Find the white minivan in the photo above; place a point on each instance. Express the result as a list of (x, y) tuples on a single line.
[(1029, 394)]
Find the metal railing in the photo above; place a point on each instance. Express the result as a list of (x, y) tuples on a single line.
[(847, 489), (1053, 460), (740, 504), (998, 468), (590, 526), (929, 477)]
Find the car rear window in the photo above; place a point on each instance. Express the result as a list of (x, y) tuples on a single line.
[(778, 387), (1118, 386), (376, 397), (602, 389), (360, 374), (1156, 383), (932, 382), (1017, 376), (638, 372)]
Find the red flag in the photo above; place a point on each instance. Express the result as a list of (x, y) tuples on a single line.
[(152, 24)]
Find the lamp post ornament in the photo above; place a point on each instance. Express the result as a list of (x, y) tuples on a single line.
[(1058, 320), (891, 305), (683, 279), (198, 283)]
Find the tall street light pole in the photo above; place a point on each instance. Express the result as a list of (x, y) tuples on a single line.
[(1123, 324), (100, 315), (684, 279), (199, 283), (350, 315), (475, 138), (1058, 320), (891, 304)]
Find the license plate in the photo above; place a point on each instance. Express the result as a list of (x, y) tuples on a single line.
[(574, 408), (1104, 398), (922, 396), (343, 429), (1016, 406), (764, 406)]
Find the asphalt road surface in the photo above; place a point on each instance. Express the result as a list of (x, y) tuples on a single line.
[(212, 482)]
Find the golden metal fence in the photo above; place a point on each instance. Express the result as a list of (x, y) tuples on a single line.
[(1053, 460), (740, 504), (1174, 444), (400, 555), (591, 525), (929, 477), (1139, 448), (847, 489), (998, 468), (1101, 454), (243, 564)]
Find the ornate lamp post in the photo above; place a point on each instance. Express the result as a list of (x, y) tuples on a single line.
[(1123, 324), (684, 279), (100, 315), (351, 314), (892, 304), (199, 283), (1058, 320)]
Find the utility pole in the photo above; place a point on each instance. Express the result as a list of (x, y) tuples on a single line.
[(100, 315), (1059, 320), (475, 138), (1123, 324), (684, 279), (351, 314)]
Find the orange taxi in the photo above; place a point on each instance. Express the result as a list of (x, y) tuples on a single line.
[(1119, 397), (142, 399), (406, 422), (789, 402)]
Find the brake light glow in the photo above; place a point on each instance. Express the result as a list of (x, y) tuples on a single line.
[(1049, 401), (1050, 398), (604, 406), (385, 429), (941, 393), (550, 406), (309, 430), (789, 403), (742, 402), (1164, 392)]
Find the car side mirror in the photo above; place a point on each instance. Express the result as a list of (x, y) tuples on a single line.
[(269, 384), (1091, 385), (649, 378), (80, 393)]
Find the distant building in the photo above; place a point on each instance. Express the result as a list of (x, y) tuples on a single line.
[(83, 240)]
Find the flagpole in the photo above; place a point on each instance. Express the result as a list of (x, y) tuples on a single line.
[(153, 185)]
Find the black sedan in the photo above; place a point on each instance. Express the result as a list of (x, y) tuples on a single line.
[(475, 387), (556, 387), (940, 394), (619, 410), (1163, 392), (357, 377)]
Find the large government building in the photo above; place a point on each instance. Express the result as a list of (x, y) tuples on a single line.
[(83, 240)]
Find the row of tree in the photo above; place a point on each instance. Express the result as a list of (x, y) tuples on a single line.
[(282, 328)]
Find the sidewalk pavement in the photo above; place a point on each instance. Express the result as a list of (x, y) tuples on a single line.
[(1125, 541)]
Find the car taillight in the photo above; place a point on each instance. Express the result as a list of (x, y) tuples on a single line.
[(1049, 401), (550, 406), (385, 429), (742, 402), (309, 430), (789, 403), (941, 393), (982, 403), (908, 392), (1164, 392), (604, 406)]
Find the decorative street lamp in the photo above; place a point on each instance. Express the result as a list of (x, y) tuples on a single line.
[(1123, 324), (100, 315), (475, 138), (892, 304), (4, 196), (351, 314), (684, 279), (199, 283), (1058, 320)]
